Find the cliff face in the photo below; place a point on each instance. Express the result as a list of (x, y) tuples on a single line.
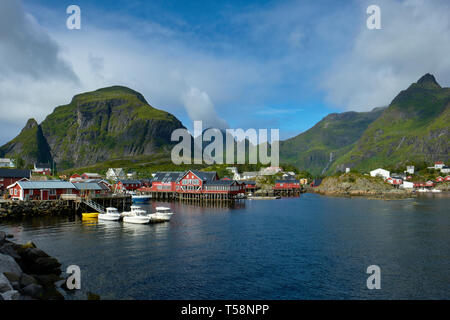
[(414, 128), (30, 145), (109, 123)]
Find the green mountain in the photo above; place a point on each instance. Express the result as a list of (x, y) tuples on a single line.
[(110, 123), (414, 128), (317, 148), (29, 146)]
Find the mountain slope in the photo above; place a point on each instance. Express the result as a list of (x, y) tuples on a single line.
[(30, 145), (414, 128), (108, 123), (315, 149)]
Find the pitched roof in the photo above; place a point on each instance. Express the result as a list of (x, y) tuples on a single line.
[(46, 184), (129, 181), (287, 181), (220, 183), (89, 186), (14, 173), (166, 177), (205, 175)]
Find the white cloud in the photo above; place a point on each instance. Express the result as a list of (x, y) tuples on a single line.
[(413, 41), (200, 107)]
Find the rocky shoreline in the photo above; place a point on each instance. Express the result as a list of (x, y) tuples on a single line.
[(356, 185), (19, 209), (28, 273)]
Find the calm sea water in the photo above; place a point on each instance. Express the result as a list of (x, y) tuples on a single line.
[(311, 247)]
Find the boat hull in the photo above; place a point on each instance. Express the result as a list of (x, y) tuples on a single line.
[(141, 199), (109, 217), (90, 215), (136, 220)]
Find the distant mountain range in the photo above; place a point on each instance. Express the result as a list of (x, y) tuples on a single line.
[(413, 128), (117, 122)]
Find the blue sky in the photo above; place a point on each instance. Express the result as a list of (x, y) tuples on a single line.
[(238, 64)]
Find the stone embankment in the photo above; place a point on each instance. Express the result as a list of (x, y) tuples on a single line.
[(27, 273), (18, 209), (352, 184)]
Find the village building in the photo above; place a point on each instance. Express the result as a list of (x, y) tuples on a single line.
[(380, 173), (127, 185), (90, 189), (10, 176), (410, 169), (249, 175), (286, 184), (40, 190), (270, 171), (6, 163), (75, 177), (394, 181), (88, 175), (235, 172), (407, 185), (250, 185), (303, 181), (447, 178), (115, 174), (440, 179), (438, 165), (445, 169), (42, 168)]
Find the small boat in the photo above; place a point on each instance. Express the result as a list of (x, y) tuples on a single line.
[(111, 214), (423, 190), (140, 198), (90, 215), (162, 214), (136, 215), (436, 190)]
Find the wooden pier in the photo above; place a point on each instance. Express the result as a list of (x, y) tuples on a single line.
[(121, 202)]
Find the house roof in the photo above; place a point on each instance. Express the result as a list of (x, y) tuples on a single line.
[(287, 181), (220, 183), (89, 186), (166, 177), (46, 184), (204, 175), (250, 173), (42, 165), (249, 182), (14, 173), (130, 181)]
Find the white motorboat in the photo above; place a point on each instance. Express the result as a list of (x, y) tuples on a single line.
[(112, 214), (162, 214), (423, 190), (136, 215), (436, 190)]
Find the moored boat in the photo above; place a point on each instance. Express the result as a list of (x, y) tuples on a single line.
[(136, 215), (90, 215), (162, 214), (112, 214), (140, 198)]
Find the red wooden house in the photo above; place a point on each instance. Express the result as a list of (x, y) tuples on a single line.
[(40, 190), (440, 179), (249, 186), (10, 176), (286, 185), (192, 181), (127, 185), (429, 183), (447, 178)]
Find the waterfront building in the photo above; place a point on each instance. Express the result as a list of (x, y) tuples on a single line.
[(249, 175), (439, 179), (286, 185), (40, 190), (447, 178), (407, 185), (127, 185), (75, 177)]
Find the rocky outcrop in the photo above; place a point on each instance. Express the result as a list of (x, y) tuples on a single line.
[(27, 273), (353, 184), (20, 209)]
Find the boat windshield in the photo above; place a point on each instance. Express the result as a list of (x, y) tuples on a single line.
[(162, 209)]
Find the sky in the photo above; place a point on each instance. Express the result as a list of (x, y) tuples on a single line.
[(232, 64)]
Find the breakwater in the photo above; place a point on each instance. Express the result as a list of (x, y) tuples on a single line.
[(19, 209), (27, 273)]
